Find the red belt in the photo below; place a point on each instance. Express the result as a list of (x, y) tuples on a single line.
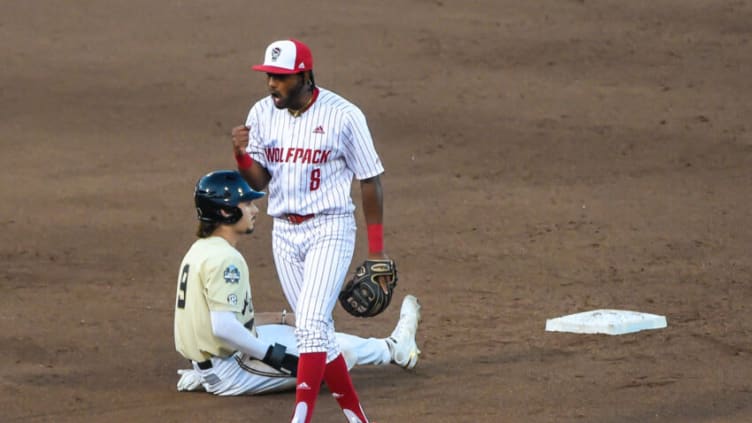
[(296, 219)]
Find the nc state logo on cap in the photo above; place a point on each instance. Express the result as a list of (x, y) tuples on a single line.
[(286, 57)]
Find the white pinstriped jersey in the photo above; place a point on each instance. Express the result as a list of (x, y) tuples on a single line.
[(312, 158)]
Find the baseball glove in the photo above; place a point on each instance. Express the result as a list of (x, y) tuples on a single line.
[(369, 292)]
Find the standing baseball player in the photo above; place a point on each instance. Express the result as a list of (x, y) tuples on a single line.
[(234, 351), (306, 144)]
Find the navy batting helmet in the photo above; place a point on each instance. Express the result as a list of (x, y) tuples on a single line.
[(222, 190)]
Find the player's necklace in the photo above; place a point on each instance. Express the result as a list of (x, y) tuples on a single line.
[(298, 112)]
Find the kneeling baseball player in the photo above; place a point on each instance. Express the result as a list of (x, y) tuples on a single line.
[(231, 350)]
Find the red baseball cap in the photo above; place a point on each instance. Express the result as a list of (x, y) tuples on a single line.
[(286, 57)]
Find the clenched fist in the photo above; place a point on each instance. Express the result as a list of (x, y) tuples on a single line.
[(239, 139)]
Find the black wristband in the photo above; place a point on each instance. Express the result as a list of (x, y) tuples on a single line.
[(275, 355), (290, 364)]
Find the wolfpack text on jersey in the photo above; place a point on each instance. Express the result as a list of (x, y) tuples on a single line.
[(317, 153)]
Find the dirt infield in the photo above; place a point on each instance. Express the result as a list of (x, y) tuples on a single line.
[(543, 158)]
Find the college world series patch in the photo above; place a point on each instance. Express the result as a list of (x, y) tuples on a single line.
[(232, 274)]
